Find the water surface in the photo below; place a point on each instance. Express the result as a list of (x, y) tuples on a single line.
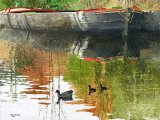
[(34, 65)]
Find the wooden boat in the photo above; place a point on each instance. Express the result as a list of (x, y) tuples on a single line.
[(92, 20)]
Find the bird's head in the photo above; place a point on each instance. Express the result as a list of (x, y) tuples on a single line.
[(57, 91)]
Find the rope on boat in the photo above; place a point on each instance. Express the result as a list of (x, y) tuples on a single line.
[(128, 15), (128, 18)]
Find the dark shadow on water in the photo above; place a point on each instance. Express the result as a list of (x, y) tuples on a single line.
[(83, 45)]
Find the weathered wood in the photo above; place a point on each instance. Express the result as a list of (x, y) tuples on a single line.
[(64, 21), (79, 21)]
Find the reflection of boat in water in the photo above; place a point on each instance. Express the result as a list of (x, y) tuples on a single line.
[(104, 47), (93, 20), (83, 45)]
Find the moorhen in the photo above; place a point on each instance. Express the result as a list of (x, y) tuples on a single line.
[(91, 90), (65, 96)]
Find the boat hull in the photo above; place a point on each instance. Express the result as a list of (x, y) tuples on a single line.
[(64, 21), (94, 22)]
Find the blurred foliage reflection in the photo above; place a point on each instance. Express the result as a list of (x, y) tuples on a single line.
[(134, 87)]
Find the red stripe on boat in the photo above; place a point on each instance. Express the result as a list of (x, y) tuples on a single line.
[(101, 10), (93, 59), (136, 8)]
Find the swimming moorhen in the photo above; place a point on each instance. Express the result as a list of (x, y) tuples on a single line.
[(65, 96), (91, 90), (103, 88)]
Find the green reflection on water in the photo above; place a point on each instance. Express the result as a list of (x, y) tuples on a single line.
[(21, 57), (135, 89), (134, 86), (82, 73)]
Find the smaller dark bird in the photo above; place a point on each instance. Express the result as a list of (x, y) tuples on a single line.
[(103, 88), (91, 90), (65, 96)]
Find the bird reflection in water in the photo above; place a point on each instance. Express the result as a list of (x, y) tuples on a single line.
[(103, 88), (91, 90)]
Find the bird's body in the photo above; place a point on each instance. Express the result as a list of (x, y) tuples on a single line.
[(91, 90), (65, 96), (103, 88)]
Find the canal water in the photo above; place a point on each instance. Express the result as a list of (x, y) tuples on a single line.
[(111, 79)]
